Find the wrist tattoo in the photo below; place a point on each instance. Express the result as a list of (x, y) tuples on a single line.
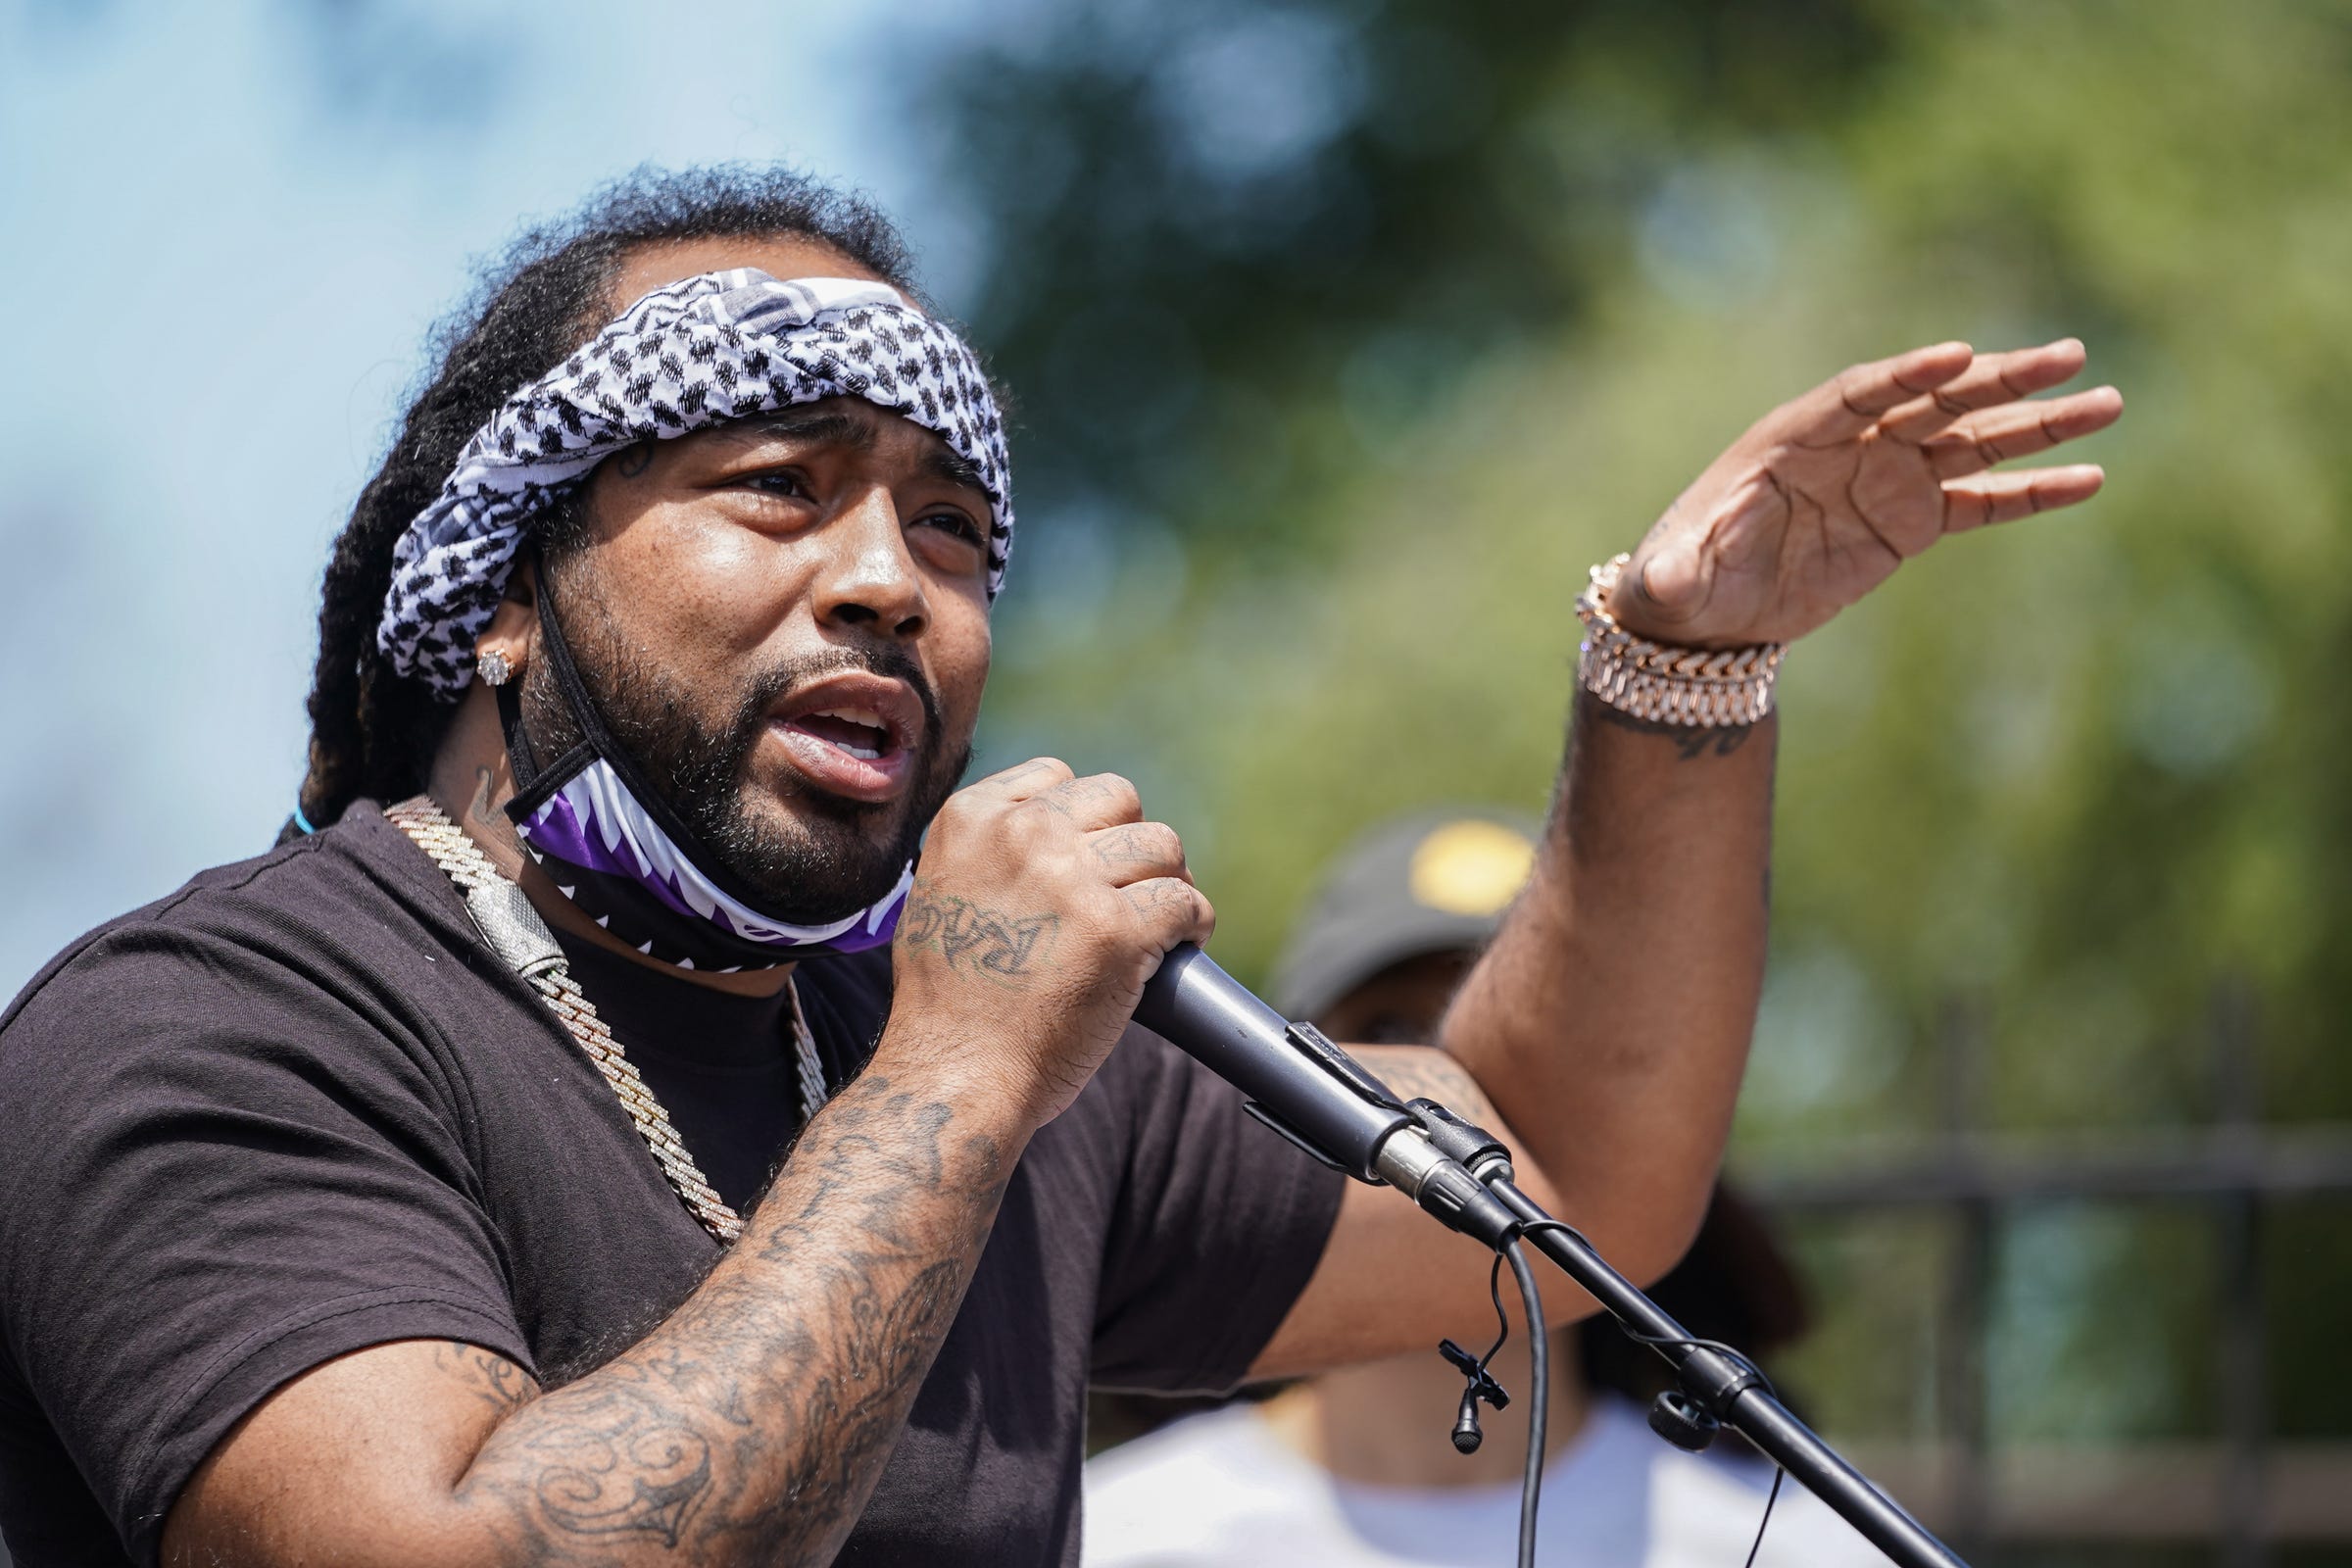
[(1690, 739)]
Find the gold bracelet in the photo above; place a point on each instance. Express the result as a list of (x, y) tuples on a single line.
[(1704, 688)]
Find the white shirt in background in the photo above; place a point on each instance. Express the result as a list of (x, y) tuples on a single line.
[(1221, 1490)]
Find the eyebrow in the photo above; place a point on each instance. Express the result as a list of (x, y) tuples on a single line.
[(829, 425), (945, 464), (833, 426)]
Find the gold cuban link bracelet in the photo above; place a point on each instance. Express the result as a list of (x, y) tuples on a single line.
[(1700, 688)]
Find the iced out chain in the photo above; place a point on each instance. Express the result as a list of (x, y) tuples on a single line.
[(454, 851)]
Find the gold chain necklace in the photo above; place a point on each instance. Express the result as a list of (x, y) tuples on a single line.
[(514, 930)]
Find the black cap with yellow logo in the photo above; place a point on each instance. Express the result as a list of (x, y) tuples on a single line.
[(1436, 881)]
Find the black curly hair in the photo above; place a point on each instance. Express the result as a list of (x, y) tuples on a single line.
[(374, 732)]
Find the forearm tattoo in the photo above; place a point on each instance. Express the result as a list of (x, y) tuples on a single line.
[(752, 1426), (990, 942)]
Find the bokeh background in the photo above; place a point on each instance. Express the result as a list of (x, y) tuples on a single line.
[(1344, 334)]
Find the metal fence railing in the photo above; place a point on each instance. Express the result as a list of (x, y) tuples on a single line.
[(2240, 1491)]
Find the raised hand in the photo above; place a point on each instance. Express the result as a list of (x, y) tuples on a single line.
[(1825, 496)]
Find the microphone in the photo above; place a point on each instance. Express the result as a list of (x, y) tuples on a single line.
[(1320, 1098), (1324, 1101)]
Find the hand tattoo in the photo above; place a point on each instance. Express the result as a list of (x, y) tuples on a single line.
[(987, 942)]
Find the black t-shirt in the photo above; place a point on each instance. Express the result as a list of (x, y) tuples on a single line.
[(298, 1108)]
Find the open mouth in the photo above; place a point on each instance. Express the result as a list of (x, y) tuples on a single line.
[(857, 731), (852, 734)]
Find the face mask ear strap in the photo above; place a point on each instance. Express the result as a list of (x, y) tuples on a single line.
[(520, 757), (534, 784), (596, 744)]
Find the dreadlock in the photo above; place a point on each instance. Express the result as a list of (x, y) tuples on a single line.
[(374, 732)]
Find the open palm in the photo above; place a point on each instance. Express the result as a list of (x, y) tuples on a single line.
[(1827, 495)]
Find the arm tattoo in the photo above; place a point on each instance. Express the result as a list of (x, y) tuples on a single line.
[(621, 1465), (752, 1426), (989, 943), (1425, 1072), (1690, 739), (487, 1375)]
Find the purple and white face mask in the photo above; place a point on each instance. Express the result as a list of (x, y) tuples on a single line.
[(691, 355), (600, 829), (606, 854)]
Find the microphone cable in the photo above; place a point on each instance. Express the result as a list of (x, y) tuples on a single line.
[(1482, 1386), (1539, 1399)]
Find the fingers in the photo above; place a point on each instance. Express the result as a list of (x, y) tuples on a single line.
[(1172, 911), (1138, 851), (1991, 381), (1853, 399), (1023, 780), (1097, 801), (2018, 430), (2006, 497)]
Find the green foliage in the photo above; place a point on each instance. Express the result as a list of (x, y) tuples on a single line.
[(2082, 769), (1211, 219), (2084, 766)]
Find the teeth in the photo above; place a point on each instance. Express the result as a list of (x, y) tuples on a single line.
[(856, 715), (863, 753)]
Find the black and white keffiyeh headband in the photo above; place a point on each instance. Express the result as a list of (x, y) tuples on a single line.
[(693, 354)]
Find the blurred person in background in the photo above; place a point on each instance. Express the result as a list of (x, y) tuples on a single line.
[(587, 1138), (1355, 1467)]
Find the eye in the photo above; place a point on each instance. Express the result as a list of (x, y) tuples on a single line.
[(955, 524), (791, 483)]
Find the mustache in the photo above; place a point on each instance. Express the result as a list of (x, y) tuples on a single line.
[(779, 681)]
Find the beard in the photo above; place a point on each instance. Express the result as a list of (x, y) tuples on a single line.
[(813, 858)]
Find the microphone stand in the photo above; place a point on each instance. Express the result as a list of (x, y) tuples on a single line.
[(1731, 1395), (1325, 1102)]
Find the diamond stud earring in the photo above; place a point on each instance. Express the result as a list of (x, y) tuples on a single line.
[(494, 667)]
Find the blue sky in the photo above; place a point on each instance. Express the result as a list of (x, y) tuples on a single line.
[(223, 232)]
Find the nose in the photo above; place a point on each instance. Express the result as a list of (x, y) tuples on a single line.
[(866, 578)]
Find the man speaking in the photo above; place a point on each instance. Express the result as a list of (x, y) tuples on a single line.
[(596, 1137)]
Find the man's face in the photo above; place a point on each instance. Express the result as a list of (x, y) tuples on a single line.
[(785, 622)]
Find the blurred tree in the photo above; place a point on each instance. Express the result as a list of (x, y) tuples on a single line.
[(1210, 214), (2056, 761), (1346, 335)]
